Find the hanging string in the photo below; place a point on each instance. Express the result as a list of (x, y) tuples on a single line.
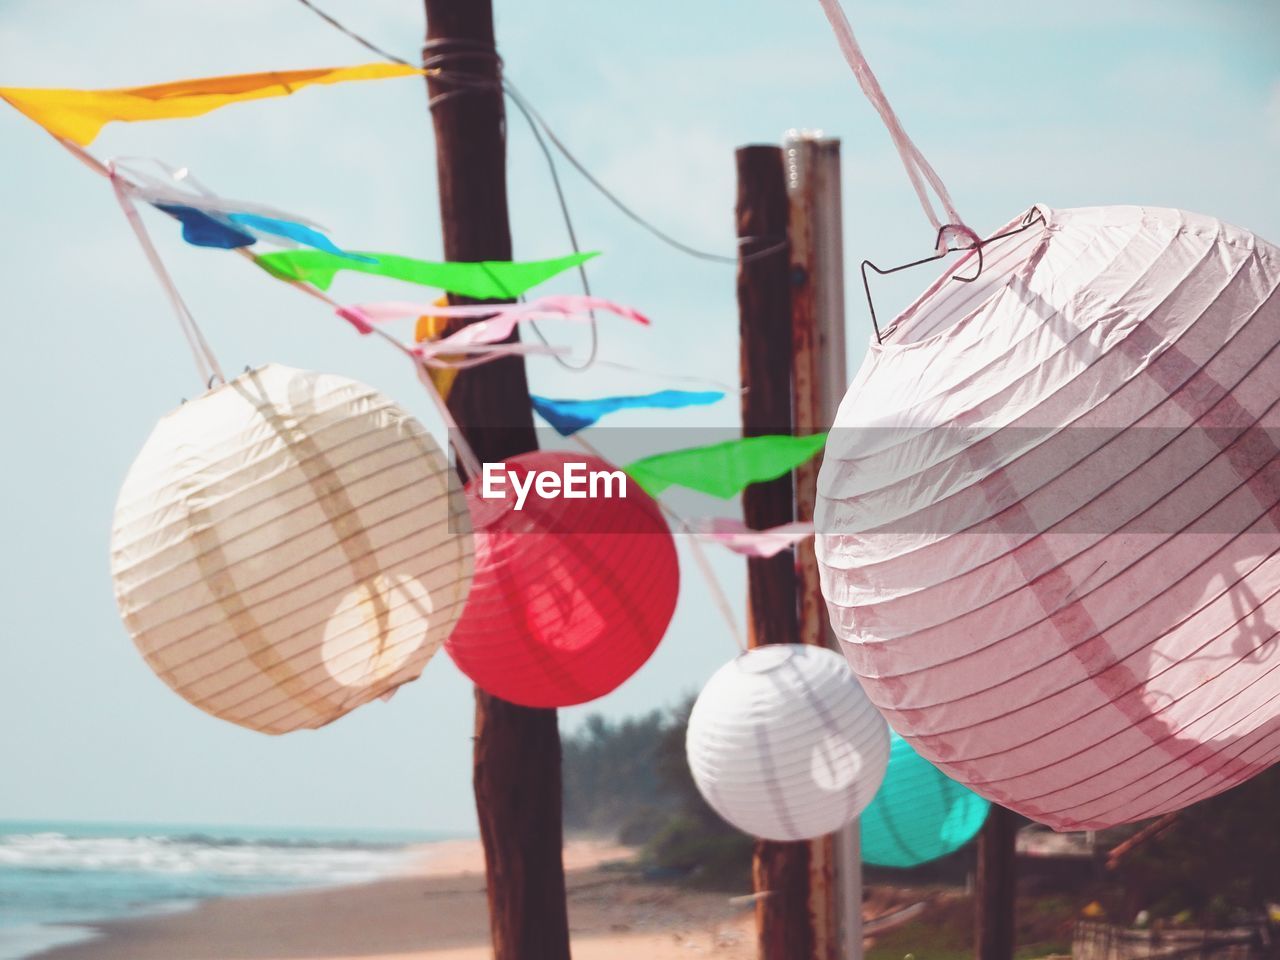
[(466, 454), (535, 119), (917, 167), (594, 351), (437, 55), (354, 36), (717, 592), (206, 363), (776, 245)]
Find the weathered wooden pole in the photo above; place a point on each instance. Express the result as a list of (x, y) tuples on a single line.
[(795, 918), (819, 380), (996, 889), (764, 322), (517, 749)]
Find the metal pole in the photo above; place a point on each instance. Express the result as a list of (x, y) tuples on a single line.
[(785, 925), (819, 380)]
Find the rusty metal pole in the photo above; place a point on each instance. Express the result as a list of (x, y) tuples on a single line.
[(819, 380), (795, 916)]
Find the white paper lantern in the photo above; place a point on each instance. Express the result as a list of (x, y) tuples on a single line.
[(283, 549), (784, 744), (1048, 516)]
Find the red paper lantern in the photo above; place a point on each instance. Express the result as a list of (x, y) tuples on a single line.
[(570, 595)]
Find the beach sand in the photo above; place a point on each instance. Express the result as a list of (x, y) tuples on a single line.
[(438, 911)]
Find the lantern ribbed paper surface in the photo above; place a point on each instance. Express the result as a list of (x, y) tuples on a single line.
[(283, 550), (1048, 517), (571, 596), (784, 744), (919, 814)]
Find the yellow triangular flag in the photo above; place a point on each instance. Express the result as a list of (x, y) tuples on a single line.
[(432, 328), (79, 115)]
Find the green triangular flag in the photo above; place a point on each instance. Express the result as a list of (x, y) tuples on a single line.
[(484, 280), (723, 469)]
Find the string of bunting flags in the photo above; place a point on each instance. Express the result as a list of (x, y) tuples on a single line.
[(208, 220), (269, 652), (1104, 659)]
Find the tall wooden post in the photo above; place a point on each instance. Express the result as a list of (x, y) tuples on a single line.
[(996, 892), (517, 749), (819, 380), (793, 915)]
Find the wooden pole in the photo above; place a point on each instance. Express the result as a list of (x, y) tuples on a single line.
[(995, 894), (517, 749), (819, 380), (793, 915), (764, 318)]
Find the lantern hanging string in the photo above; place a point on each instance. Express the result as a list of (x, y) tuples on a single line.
[(717, 592), (718, 595), (207, 365), (918, 168)]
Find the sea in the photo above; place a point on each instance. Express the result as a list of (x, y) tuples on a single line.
[(57, 877)]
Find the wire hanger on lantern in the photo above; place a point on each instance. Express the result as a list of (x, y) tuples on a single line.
[(1034, 215), (921, 174)]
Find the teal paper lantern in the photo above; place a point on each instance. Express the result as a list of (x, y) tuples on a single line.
[(919, 814)]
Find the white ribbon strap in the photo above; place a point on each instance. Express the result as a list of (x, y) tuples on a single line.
[(206, 362), (917, 167)]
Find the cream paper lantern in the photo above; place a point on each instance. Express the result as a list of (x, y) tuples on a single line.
[(783, 743), (1049, 516), (284, 550)]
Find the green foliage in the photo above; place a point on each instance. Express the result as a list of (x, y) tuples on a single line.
[(631, 779), (946, 931), (610, 775), (710, 855), (1217, 865)]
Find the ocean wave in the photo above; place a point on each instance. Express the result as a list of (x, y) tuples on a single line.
[(287, 843), (330, 861)]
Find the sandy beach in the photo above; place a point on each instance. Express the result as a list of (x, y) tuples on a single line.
[(438, 910)]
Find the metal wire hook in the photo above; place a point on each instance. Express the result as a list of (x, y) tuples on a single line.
[(1034, 215)]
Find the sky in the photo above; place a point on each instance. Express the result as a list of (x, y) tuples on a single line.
[(1172, 104)]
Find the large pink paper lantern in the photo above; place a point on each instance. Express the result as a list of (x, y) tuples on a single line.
[(570, 596), (1050, 516)]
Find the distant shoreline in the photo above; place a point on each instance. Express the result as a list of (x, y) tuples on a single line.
[(62, 882), (436, 907)]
